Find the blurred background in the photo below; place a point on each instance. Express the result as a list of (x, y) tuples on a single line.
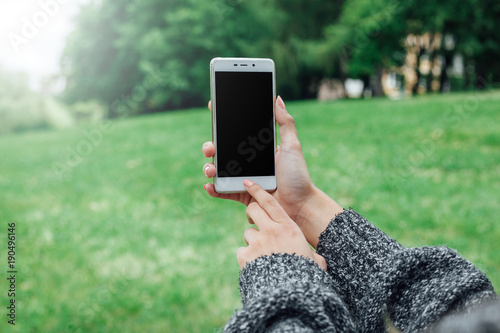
[(103, 114)]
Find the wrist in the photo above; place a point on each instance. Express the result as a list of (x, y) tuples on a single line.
[(315, 214)]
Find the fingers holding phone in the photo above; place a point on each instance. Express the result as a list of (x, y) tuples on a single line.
[(208, 150), (209, 171)]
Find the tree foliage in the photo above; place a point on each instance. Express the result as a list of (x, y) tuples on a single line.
[(144, 56), (154, 55), (371, 34)]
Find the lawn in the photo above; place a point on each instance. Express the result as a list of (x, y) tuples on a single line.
[(115, 233)]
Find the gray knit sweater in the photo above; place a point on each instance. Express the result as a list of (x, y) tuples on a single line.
[(372, 284)]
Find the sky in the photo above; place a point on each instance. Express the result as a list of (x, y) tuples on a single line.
[(33, 35)]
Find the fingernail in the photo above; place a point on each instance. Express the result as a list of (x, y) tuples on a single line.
[(281, 103), (247, 182), (206, 169)]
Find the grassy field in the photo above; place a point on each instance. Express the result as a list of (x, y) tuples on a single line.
[(115, 233)]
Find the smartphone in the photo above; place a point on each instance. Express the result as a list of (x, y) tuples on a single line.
[(243, 122)]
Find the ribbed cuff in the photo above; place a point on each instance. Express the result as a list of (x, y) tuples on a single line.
[(280, 269), (288, 293)]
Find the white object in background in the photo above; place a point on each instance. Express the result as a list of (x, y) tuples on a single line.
[(458, 65), (354, 88)]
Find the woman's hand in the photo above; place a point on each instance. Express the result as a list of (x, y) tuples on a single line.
[(310, 208), (277, 232), (294, 184)]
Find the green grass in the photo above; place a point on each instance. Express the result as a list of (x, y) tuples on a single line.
[(127, 240)]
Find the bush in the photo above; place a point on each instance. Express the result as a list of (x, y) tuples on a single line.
[(88, 111), (21, 109)]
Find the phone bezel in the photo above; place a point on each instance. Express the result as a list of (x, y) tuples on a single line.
[(235, 184)]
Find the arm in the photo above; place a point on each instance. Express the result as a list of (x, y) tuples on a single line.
[(285, 292), (415, 286), (315, 215)]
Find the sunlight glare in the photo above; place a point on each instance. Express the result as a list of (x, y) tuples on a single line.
[(33, 34)]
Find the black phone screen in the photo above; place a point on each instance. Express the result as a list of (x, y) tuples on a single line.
[(244, 124)]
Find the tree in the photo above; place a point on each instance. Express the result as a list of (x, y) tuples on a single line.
[(94, 65), (143, 56), (370, 35), (147, 56), (479, 40), (366, 39)]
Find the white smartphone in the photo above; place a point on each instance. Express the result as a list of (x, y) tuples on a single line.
[(243, 122)]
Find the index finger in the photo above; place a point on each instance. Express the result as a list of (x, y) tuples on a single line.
[(259, 216), (266, 201)]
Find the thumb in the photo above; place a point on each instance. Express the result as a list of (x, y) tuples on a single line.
[(320, 261), (288, 131)]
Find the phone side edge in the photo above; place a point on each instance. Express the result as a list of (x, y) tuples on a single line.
[(212, 111)]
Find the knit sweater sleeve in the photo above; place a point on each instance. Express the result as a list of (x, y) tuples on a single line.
[(288, 293), (378, 277)]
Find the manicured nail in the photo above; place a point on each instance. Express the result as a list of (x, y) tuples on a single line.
[(281, 103), (206, 170), (247, 182)]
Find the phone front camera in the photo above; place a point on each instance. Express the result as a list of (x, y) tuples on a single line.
[(253, 65)]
